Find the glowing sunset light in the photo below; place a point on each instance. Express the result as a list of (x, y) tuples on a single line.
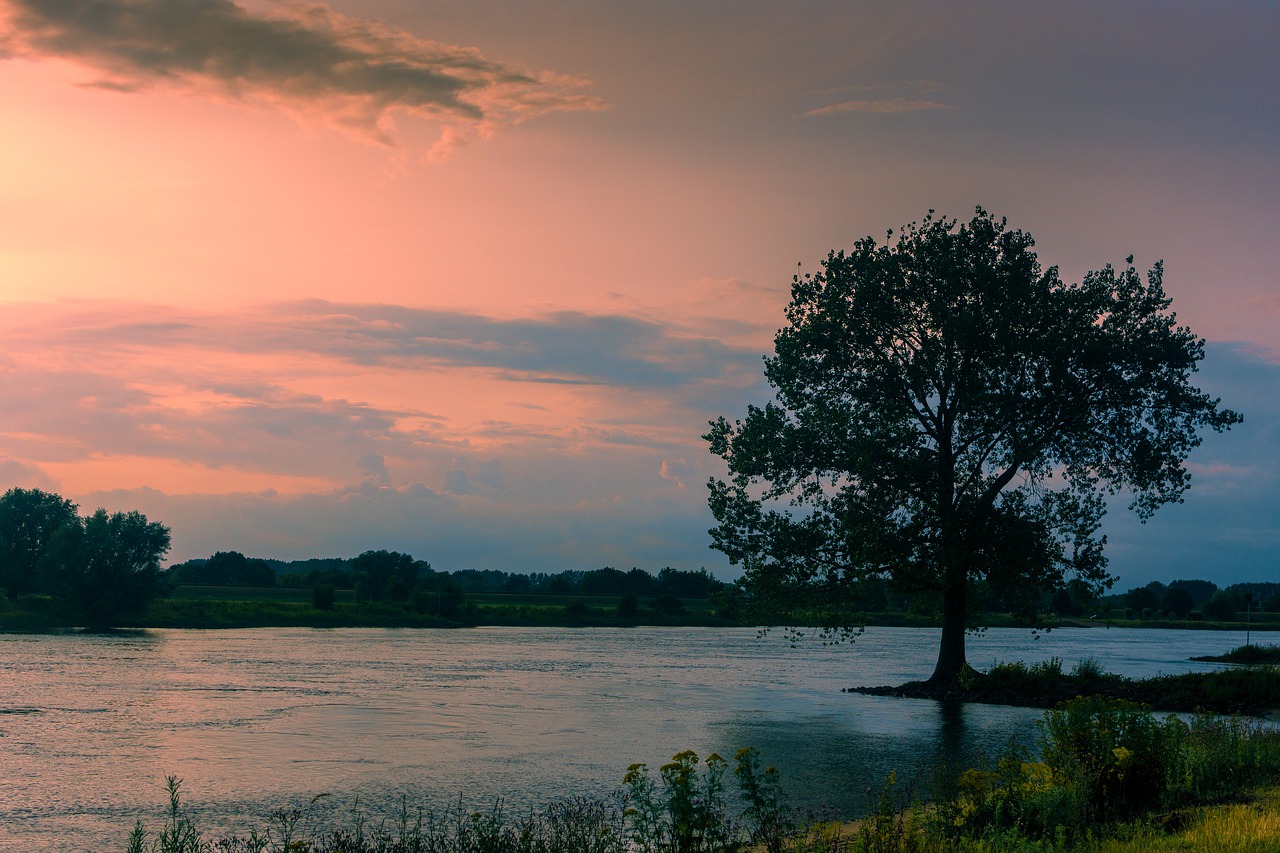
[(468, 280)]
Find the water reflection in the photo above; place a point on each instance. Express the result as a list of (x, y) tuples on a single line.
[(835, 759)]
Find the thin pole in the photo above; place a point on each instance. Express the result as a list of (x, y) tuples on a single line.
[(1248, 608)]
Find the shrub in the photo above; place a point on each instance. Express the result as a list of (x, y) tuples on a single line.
[(688, 815), (323, 596), (1220, 756), (770, 822), (577, 611), (1117, 751)]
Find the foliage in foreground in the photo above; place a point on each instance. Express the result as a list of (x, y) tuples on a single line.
[(1106, 769)]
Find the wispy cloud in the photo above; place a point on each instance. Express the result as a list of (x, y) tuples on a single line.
[(564, 346), (878, 105), (909, 96), (281, 389), (350, 73)]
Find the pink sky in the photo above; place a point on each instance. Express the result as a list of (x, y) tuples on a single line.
[(468, 281)]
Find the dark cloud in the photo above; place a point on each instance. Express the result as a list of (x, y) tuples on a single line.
[(376, 467), (353, 73), (17, 474), (566, 346)]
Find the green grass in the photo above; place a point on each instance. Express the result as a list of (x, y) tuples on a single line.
[(1252, 826), (250, 593)]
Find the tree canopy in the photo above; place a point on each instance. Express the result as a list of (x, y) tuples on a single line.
[(29, 520), (947, 414), (109, 564), (102, 565)]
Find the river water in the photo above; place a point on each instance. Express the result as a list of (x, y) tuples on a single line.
[(259, 719)]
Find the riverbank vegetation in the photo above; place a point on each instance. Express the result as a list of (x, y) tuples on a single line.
[(1106, 775), (1247, 655), (1244, 690)]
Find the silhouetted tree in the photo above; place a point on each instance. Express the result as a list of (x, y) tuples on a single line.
[(224, 568), (606, 581), (1177, 602), (109, 565), (946, 412), (324, 596), (1223, 606), (29, 520), (1201, 590), (1144, 598), (375, 571)]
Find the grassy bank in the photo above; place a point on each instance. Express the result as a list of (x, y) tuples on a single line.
[(1108, 775), (196, 606), (273, 607), (1253, 690)]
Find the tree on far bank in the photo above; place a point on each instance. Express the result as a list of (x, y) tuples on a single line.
[(1200, 590), (29, 520), (386, 575), (224, 568), (1143, 598), (109, 564), (1177, 602), (948, 414)]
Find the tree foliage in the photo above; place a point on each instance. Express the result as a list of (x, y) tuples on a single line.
[(101, 566), (224, 568), (109, 564), (949, 414), (386, 575), (29, 520)]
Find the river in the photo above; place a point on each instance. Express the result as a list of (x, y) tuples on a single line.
[(251, 720)]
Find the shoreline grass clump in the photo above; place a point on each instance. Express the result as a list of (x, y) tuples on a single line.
[(689, 808), (1253, 690), (1250, 654)]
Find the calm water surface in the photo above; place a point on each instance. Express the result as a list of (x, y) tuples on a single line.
[(258, 719)]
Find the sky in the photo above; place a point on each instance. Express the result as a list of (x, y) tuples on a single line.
[(467, 280)]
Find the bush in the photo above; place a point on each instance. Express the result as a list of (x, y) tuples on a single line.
[(324, 596), (668, 605), (577, 611), (1117, 751), (1221, 756)]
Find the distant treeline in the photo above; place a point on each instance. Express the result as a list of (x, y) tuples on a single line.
[(1182, 599), (389, 575)]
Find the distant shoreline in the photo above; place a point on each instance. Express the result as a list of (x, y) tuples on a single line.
[(226, 613)]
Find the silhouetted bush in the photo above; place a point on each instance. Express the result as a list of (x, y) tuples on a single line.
[(323, 596)]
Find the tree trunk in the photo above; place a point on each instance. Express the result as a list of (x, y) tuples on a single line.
[(951, 655)]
